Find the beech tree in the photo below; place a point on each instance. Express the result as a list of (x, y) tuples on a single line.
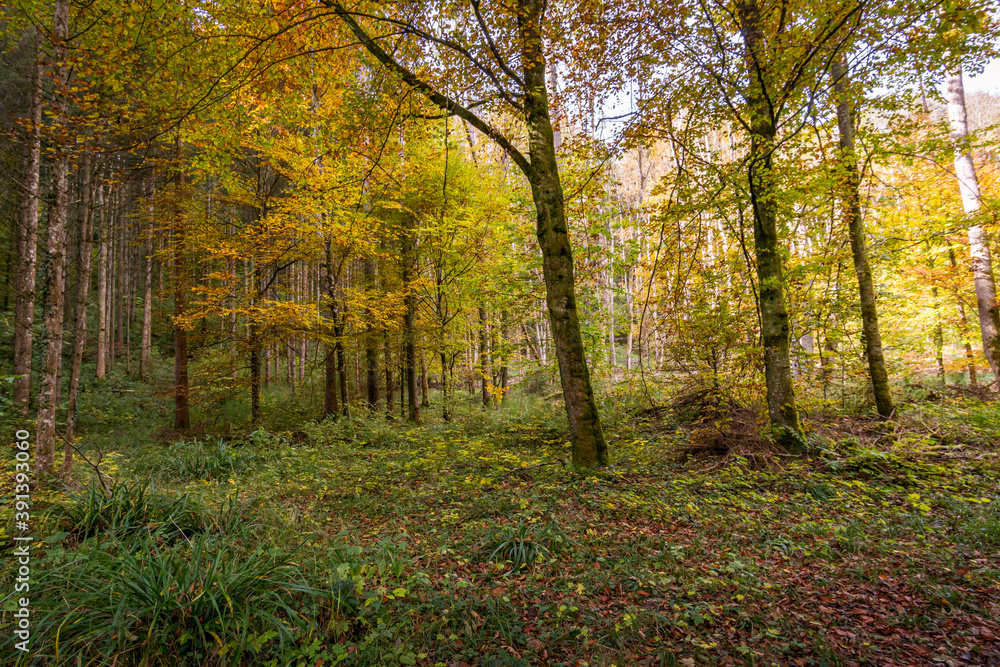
[(525, 94)]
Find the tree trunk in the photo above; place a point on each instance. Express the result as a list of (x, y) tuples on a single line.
[(425, 391), (338, 329), (27, 242), (409, 320), (102, 286), (445, 388), (541, 169), (979, 246), (963, 324), (48, 395), (484, 357), (763, 190), (856, 229), (253, 334), (371, 342), (147, 304), (586, 432), (80, 324), (182, 417), (389, 386)]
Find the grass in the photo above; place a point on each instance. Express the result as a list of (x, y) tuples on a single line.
[(361, 542)]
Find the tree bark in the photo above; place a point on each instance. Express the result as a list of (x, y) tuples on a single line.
[(102, 286), (586, 432), (253, 334), (371, 342), (763, 196), (27, 242), (389, 386), (979, 245), (338, 331), (409, 321), (484, 357), (82, 296), (851, 185), (48, 395), (147, 303), (182, 417)]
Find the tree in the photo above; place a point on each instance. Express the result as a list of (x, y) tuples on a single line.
[(27, 239), (851, 183), (48, 395), (525, 31), (979, 244)]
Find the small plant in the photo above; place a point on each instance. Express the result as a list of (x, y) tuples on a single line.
[(521, 545), (215, 462)]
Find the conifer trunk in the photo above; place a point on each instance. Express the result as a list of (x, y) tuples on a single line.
[(147, 304), (856, 230), (102, 286), (182, 418), (27, 242), (48, 395), (80, 319)]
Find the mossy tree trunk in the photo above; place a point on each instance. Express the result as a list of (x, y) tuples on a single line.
[(851, 184)]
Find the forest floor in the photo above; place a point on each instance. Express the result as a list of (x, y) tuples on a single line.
[(471, 544)]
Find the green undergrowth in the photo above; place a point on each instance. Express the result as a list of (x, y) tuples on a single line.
[(361, 542)]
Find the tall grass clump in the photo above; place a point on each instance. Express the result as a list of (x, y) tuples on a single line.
[(192, 604)]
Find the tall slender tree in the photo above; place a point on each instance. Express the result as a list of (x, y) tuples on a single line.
[(851, 196)]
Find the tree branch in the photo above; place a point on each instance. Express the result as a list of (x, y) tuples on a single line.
[(433, 95)]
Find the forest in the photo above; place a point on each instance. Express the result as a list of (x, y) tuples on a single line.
[(499, 333)]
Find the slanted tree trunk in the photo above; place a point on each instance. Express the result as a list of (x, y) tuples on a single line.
[(763, 193), (48, 395), (851, 185), (979, 245), (80, 323), (27, 242)]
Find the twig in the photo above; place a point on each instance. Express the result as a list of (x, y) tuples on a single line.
[(100, 475)]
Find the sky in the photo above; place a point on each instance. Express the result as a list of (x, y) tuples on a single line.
[(987, 82)]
